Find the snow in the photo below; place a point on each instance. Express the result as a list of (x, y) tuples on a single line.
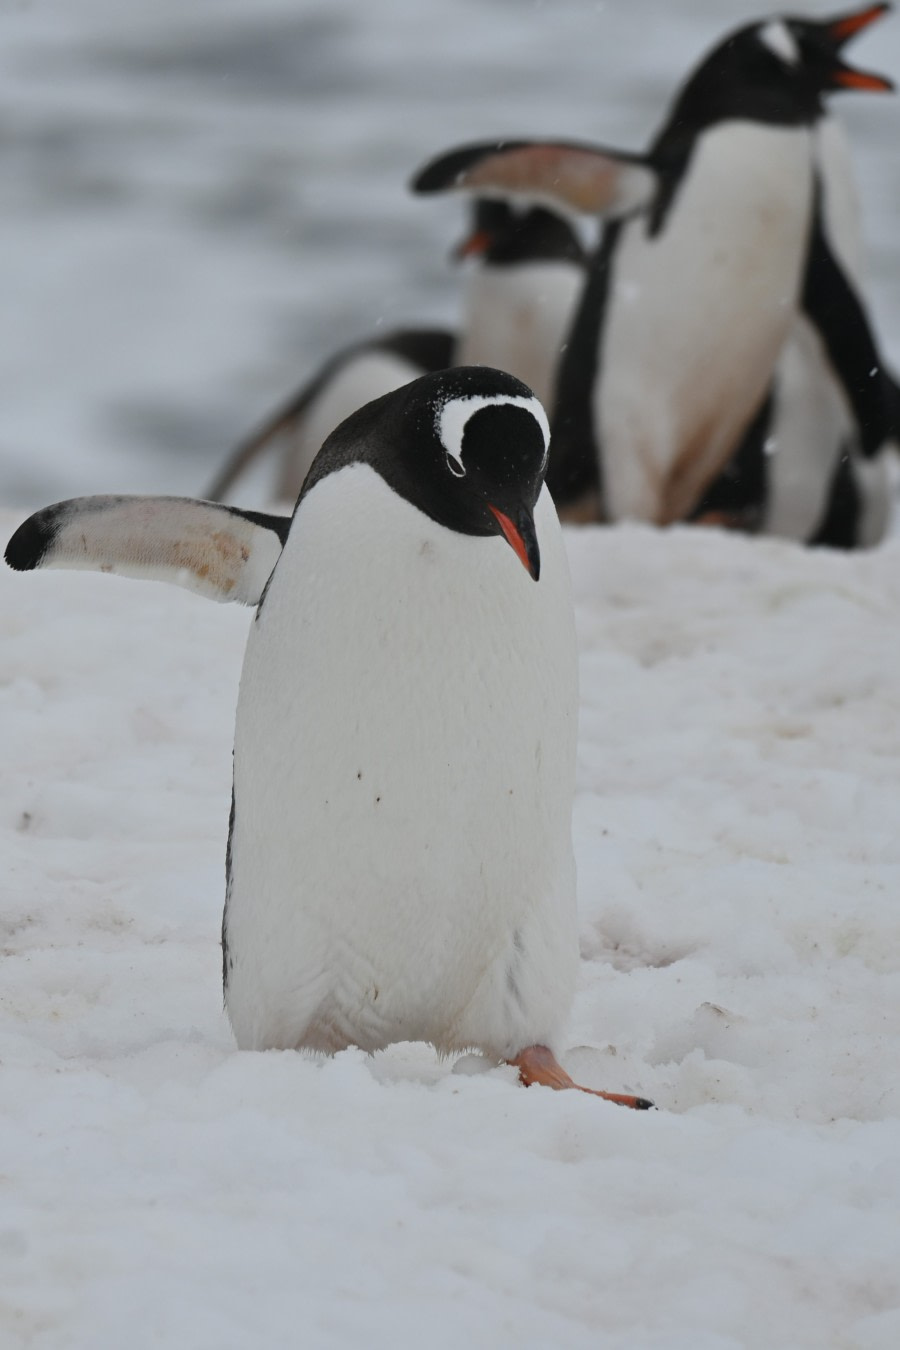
[(738, 866), (198, 204)]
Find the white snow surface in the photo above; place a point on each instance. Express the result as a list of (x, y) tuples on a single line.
[(736, 836), (197, 204)]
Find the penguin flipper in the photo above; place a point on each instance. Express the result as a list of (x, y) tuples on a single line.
[(583, 177), (217, 551), (833, 306)]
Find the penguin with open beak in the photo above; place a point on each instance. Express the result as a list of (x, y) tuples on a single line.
[(699, 274), (814, 464)]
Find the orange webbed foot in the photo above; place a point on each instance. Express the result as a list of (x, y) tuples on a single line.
[(537, 1064)]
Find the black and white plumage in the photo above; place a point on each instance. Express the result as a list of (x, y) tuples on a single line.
[(519, 295), (400, 859), (520, 299), (814, 464), (352, 377), (698, 276)]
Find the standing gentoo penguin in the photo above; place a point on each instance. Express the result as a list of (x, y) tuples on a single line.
[(518, 302), (813, 466), (696, 281), (400, 858)]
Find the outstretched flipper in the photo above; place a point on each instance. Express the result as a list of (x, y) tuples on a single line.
[(583, 177), (217, 551)]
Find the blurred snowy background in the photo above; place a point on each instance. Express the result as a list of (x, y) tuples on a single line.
[(199, 202)]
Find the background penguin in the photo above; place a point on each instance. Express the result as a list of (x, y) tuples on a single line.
[(813, 465), (400, 858), (518, 303), (695, 285), (352, 377)]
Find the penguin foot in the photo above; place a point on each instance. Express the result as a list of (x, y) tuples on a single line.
[(537, 1064)]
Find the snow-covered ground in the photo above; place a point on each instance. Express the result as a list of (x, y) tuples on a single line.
[(739, 860), (196, 204)]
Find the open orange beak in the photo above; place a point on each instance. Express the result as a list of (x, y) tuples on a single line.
[(841, 29), (521, 537)]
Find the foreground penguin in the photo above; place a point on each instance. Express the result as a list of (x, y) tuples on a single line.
[(696, 282), (400, 859), (520, 292)]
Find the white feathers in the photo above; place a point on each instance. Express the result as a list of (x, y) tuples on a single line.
[(217, 551), (404, 765), (453, 417), (780, 42)]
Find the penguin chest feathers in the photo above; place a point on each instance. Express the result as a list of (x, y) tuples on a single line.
[(697, 314), (404, 765), (517, 317)]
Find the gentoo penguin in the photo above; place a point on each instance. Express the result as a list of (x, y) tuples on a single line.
[(352, 377), (518, 300), (695, 284), (400, 858), (813, 464)]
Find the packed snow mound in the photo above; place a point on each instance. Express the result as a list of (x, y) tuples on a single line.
[(739, 856)]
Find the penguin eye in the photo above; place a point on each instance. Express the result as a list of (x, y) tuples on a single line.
[(456, 466)]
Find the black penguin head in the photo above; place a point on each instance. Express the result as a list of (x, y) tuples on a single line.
[(775, 70), (467, 446), (503, 234)]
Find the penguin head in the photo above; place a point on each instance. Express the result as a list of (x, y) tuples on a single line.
[(776, 70), (467, 446), (504, 234)]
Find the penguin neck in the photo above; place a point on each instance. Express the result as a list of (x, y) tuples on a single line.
[(542, 237), (704, 105), (710, 99)]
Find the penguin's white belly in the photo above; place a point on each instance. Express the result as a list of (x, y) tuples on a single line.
[(518, 317), (404, 773), (811, 428), (840, 200), (364, 376), (696, 317)]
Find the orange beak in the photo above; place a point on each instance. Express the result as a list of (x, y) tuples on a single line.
[(840, 30), (522, 539), (477, 243), (845, 77)]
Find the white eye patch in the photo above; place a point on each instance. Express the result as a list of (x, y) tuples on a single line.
[(778, 39), (453, 417)]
